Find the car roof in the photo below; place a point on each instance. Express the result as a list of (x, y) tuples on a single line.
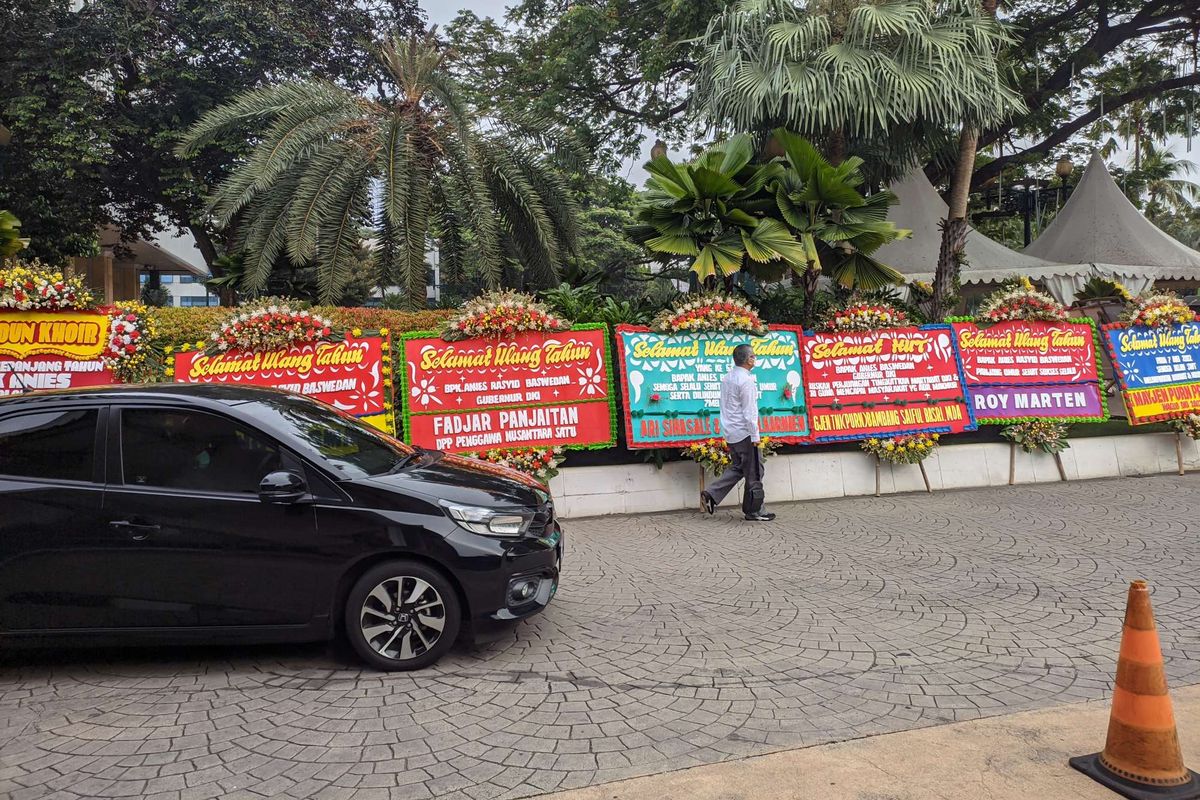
[(184, 392)]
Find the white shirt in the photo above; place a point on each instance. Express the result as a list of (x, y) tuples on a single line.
[(739, 405)]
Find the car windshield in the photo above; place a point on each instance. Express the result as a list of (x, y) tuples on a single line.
[(347, 445)]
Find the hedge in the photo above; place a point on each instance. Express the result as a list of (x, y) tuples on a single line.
[(177, 326)]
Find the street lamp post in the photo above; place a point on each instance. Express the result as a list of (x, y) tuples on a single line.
[(1024, 203), (5, 138), (1023, 200)]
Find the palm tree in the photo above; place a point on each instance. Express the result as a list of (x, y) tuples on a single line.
[(794, 213), (840, 227), (895, 80), (1163, 178), (410, 163), (872, 77), (707, 210)]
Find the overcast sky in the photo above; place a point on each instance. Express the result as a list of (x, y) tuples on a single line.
[(442, 11)]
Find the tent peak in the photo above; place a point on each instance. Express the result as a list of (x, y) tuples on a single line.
[(1099, 224)]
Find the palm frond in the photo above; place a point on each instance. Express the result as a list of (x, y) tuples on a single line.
[(257, 107), (326, 180), (861, 271), (292, 138), (892, 64), (339, 237), (264, 236)]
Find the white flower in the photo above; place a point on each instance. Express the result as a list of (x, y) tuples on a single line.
[(589, 380)]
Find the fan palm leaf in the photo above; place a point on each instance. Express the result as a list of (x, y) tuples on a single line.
[(796, 212), (877, 76)]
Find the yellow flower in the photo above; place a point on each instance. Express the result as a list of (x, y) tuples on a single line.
[(357, 331), (383, 331)]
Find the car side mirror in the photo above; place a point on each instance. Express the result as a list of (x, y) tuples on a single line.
[(282, 487)]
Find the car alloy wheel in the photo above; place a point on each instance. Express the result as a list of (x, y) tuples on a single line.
[(402, 615), (403, 618)]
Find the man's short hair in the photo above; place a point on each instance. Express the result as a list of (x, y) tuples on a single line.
[(742, 354)]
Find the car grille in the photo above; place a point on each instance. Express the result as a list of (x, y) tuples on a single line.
[(543, 521)]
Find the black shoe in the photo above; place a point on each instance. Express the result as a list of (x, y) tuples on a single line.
[(707, 503), (760, 516)]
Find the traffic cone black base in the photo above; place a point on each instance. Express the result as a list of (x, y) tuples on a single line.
[(1091, 766)]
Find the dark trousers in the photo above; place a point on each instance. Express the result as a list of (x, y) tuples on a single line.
[(747, 464)]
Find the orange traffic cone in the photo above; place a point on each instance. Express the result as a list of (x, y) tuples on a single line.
[(1141, 759)]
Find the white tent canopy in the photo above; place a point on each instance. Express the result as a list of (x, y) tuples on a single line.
[(921, 209), (1098, 224)]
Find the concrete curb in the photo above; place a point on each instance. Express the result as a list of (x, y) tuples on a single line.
[(1012, 757)]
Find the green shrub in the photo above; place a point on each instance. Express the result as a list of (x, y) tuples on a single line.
[(190, 325)]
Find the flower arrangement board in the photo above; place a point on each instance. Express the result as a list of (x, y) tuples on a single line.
[(878, 383), (1158, 369), (1020, 370), (53, 350), (531, 389), (353, 374), (671, 383)]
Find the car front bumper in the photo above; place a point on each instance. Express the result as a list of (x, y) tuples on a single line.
[(538, 561)]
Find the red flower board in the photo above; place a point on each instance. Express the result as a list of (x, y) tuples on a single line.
[(1018, 353), (350, 375), (1025, 369), (884, 382), (535, 389), (19, 375)]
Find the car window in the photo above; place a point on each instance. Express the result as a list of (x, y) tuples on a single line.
[(60, 445), (349, 446), (193, 450)]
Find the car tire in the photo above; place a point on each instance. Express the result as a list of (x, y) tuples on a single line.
[(402, 615)]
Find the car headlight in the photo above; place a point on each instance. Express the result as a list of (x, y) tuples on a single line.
[(488, 521)]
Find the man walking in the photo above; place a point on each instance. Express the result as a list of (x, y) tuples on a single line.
[(739, 423)]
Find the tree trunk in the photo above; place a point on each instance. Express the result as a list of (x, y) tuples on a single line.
[(960, 185), (954, 229), (811, 276), (946, 281), (208, 250), (837, 147)]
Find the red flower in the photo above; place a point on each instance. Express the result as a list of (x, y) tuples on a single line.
[(131, 318), (135, 335), (131, 348), (654, 398)]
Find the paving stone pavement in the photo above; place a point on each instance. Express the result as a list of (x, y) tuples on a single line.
[(676, 640)]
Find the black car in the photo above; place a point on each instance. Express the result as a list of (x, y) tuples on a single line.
[(212, 513)]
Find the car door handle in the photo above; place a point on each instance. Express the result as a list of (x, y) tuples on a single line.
[(137, 530)]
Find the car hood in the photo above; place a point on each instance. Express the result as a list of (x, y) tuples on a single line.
[(440, 476)]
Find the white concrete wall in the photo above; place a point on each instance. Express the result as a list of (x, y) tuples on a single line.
[(639, 488)]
